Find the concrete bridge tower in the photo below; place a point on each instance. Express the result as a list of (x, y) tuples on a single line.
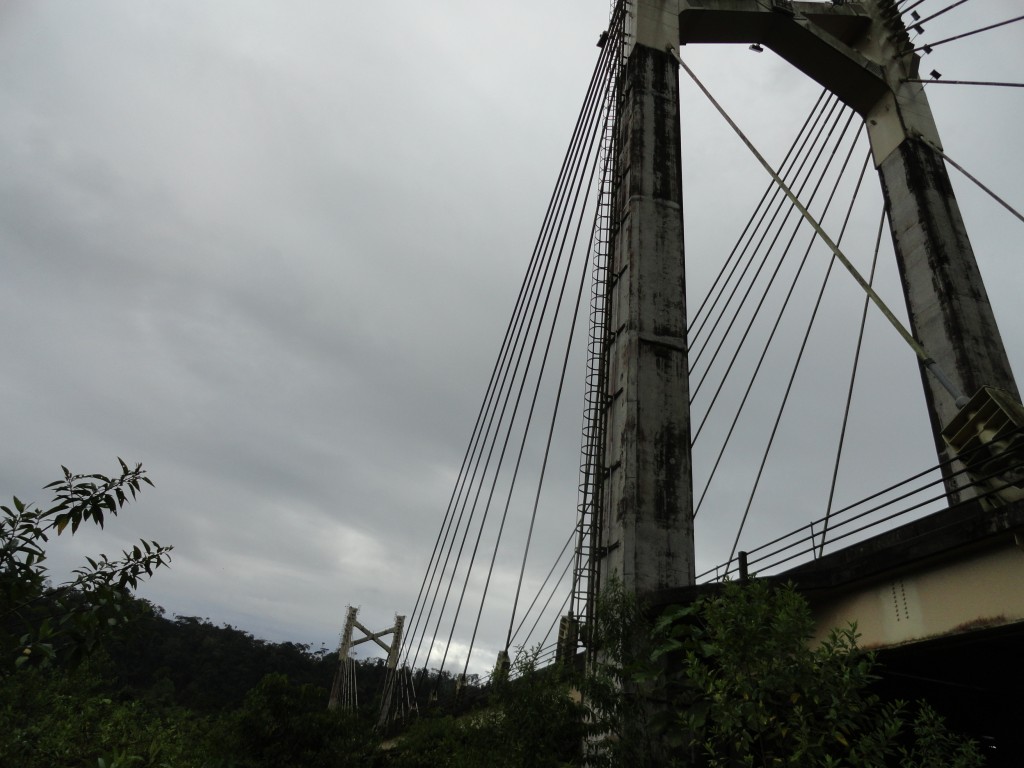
[(861, 53), (647, 520)]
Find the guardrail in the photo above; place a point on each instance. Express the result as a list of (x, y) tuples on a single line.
[(921, 493)]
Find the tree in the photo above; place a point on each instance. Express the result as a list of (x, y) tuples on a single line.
[(540, 723), (528, 719), (39, 622), (281, 723), (617, 688), (58, 717), (742, 685)]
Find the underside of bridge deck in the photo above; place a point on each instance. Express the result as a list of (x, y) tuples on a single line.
[(940, 599), (973, 679)]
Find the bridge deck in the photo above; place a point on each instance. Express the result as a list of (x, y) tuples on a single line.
[(942, 602), (949, 572)]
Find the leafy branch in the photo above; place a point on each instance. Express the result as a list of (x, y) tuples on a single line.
[(35, 619)]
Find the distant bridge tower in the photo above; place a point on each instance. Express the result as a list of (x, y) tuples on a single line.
[(343, 691), (861, 53)]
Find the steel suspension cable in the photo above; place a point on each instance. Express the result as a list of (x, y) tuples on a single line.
[(769, 189), (964, 82), (561, 612), (551, 432), (926, 361), (547, 580), (557, 204), (519, 319), (522, 300), (592, 441), (776, 206), (799, 359), (487, 464), (518, 401), (849, 391), (985, 189), (909, 8), (929, 46), (543, 609), (771, 337), (764, 261), (807, 167), (529, 419), (926, 19), (614, 44)]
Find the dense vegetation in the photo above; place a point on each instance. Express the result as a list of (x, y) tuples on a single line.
[(91, 676)]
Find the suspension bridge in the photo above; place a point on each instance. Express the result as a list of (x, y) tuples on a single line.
[(693, 400)]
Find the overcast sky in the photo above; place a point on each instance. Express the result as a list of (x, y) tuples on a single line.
[(269, 250)]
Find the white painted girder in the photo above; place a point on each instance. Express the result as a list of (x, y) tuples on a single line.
[(955, 595)]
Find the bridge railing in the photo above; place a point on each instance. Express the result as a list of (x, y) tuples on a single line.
[(921, 494)]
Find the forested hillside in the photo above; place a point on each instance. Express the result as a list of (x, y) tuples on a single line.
[(182, 693), (93, 677)]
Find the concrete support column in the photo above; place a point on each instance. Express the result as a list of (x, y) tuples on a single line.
[(647, 523), (949, 309)]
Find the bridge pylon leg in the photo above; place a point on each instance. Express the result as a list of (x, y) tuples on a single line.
[(647, 520)]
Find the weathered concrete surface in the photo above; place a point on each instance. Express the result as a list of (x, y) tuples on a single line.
[(653, 24), (949, 309), (816, 39), (647, 522)]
